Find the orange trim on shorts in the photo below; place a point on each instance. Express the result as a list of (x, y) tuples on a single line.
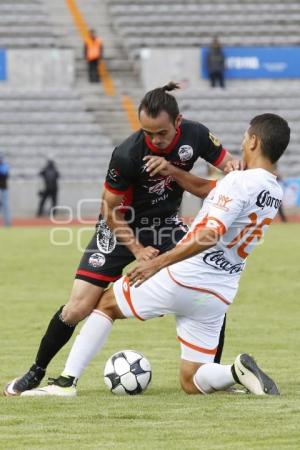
[(126, 292), (207, 291), (208, 351)]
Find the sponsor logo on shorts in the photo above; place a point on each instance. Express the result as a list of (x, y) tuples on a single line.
[(106, 240), (185, 152), (264, 198), (217, 260), (97, 260)]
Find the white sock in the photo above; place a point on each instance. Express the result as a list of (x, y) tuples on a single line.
[(90, 340), (213, 377)]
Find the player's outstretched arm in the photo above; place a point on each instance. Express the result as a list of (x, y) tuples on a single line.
[(195, 242), (228, 164), (200, 187)]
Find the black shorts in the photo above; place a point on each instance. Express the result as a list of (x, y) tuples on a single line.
[(104, 258)]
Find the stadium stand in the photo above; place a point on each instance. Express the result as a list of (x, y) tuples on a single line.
[(227, 112), (52, 123), (178, 24), (44, 122), (96, 16), (24, 24), (107, 110), (193, 22), (78, 126)]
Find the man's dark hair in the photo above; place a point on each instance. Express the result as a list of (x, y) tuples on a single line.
[(158, 100), (273, 132)]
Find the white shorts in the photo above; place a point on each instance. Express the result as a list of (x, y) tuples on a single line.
[(199, 313)]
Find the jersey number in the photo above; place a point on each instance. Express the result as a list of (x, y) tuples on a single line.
[(256, 232)]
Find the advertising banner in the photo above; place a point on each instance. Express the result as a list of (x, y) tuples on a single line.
[(257, 62), (3, 74)]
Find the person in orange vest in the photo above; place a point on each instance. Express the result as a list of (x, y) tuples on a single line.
[(93, 51)]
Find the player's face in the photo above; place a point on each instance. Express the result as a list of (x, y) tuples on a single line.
[(160, 130)]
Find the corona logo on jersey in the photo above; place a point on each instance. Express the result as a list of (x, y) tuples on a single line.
[(222, 201), (265, 199)]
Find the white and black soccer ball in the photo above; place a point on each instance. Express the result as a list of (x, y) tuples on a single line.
[(127, 373)]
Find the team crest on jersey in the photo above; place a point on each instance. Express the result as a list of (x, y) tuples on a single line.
[(214, 139), (106, 240), (185, 152), (222, 202), (97, 260), (160, 186)]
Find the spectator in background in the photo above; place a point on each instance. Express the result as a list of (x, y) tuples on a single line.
[(4, 203), (215, 63), (50, 176), (93, 53)]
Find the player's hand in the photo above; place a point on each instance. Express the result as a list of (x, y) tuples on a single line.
[(233, 164), (142, 272), (146, 253), (157, 164)]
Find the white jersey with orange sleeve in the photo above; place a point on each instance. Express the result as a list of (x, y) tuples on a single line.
[(239, 208)]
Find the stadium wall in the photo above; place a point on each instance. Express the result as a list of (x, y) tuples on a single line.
[(75, 200), (39, 68), (36, 70), (243, 65)]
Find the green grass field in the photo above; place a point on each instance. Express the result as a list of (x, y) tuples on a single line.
[(36, 278)]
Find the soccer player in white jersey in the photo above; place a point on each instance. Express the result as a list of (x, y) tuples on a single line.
[(198, 279)]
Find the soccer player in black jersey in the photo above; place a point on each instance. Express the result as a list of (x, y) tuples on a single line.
[(138, 217)]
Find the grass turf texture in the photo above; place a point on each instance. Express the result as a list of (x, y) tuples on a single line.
[(36, 278)]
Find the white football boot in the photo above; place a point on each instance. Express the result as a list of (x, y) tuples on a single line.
[(246, 372), (58, 387)]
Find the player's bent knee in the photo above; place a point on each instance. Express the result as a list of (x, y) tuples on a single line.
[(72, 315)]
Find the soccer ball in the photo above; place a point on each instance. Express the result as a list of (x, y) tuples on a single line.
[(127, 372)]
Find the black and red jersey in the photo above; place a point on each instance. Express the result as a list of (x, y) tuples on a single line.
[(158, 196)]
